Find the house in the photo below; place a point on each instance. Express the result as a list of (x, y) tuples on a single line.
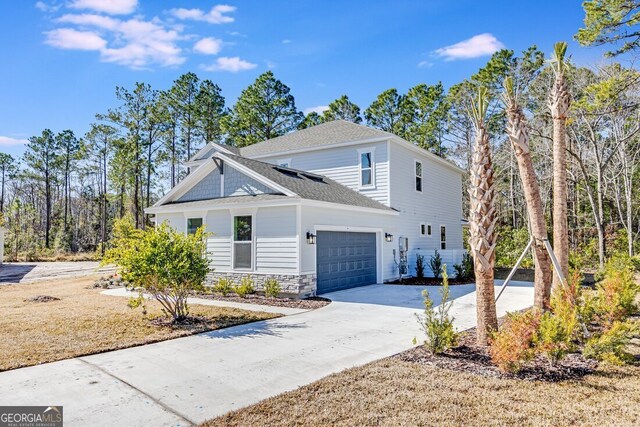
[(330, 207)]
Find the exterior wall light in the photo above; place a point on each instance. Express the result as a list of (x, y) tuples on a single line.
[(388, 237), (311, 238)]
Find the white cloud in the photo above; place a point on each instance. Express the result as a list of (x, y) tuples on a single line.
[(286, 41), (7, 141), (233, 65), (424, 64), (112, 7), (135, 43), (45, 7), (208, 46), (476, 46), (217, 14), (68, 38), (317, 109)]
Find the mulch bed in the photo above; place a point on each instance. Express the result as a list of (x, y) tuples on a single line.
[(467, 357), (428, 281), (310, 303)]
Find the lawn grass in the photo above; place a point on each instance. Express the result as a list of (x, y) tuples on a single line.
[(85, 322), (391, 392)]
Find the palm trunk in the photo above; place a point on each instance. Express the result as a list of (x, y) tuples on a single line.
[(519, 137), (482, 222)]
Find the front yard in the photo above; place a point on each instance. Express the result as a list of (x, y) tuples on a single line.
[(84, 322), (392, 392)]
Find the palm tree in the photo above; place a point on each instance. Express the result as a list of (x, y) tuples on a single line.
[(482, 220), (559, 103), (519, 137)]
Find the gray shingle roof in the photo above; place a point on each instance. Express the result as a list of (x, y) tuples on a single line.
[(323, 134), (229, 200), (309, 186)]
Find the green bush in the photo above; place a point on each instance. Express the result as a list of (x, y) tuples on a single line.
[(610, 345), (161, 262), (272, 288), (509, 247), (419, 266), (223, 286), (616, 293), (553, 338), (512, 345), (245, 287), (465, 269), (436, 264), (436, 322)]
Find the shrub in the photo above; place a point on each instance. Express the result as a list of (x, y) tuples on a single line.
[(616, 293), (245, 287), (464, 270), (161, 262), (610, 345), (510, 245), (436, 264), (553, 338), (272, 288), (567, 304), (419, 266), (512, 345), (436, 322), (223, 286)]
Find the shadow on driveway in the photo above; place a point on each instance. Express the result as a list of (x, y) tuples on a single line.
[(254, 330), (14, 273)]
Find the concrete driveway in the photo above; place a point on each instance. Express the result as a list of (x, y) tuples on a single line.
[(188, 380), (28, 272)]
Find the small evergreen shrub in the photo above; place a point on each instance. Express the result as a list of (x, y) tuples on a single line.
[(436, 264), (616, 293), (272, 288), (553, 338), (419, 266), (610, 345), (436, 322), (245, 287), (223, 286), (464, 270), (512, 345)]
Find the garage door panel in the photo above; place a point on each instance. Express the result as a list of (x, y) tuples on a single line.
[(345, 260)]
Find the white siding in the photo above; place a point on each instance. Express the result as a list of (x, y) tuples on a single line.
[(342, 164), (276, 240), (440, 203), (218, 222)]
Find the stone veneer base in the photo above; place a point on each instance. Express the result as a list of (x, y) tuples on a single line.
[(296, 285)]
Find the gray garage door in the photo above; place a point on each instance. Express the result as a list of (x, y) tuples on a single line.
[(345, 260)]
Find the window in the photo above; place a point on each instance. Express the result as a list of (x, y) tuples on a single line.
[(443, 237), (242, 242), (423, 229), (193, 224), (418, 176), (366, 169), (428, 229)]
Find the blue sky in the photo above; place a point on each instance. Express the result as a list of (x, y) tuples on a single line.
[(62, 59)]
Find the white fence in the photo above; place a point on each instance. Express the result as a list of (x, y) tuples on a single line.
[(449, 257)]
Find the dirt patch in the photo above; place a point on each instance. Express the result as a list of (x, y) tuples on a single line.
[(310, 303), (41, 298), (467, 357)]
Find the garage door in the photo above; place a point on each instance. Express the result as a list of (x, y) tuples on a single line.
[(345, 260)]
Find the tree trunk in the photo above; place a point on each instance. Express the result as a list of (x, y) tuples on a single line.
[(482, 222), (519, 137), (559, 105)]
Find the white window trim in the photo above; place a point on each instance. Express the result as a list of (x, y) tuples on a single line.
[(415, 175), (372, 152), (192, 215), (440, 237), (287, 161), (252, 241), (186, 222), (429, 230)]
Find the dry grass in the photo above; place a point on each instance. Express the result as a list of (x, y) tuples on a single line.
[(84, 322), (395, 393)]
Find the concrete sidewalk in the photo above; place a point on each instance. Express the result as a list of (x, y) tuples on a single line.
[(188, 380)]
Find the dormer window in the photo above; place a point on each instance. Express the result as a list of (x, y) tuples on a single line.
[(367, 172)]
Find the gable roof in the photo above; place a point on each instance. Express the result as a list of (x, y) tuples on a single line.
[(306, 185), (328, 133)]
